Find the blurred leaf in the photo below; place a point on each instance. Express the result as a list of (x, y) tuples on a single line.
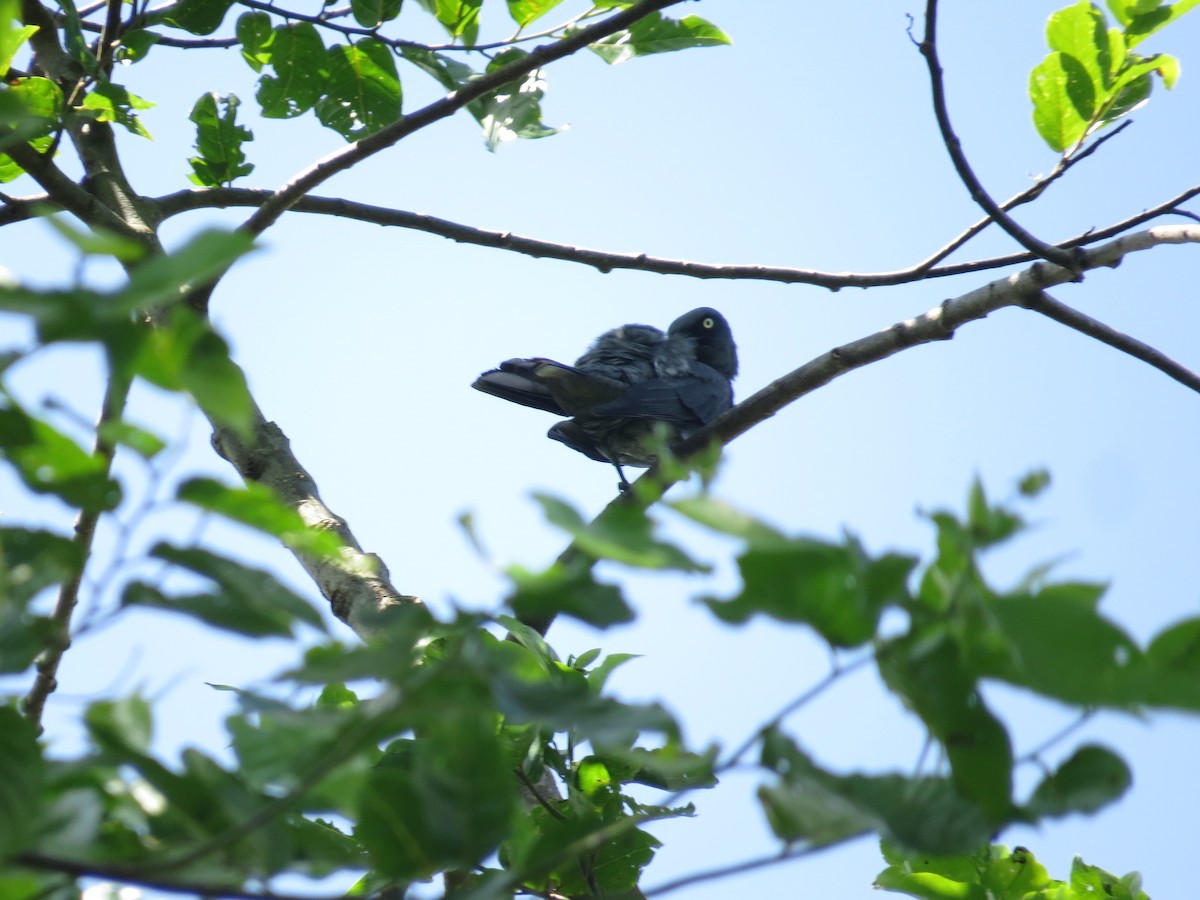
[(598, 677), (445, 800), (21, 776), (49, 462), (524, 12), (812, 805), (136, 44), (219, 142), (449, 73), (300, 62), (362, 92), (1032, 484), (197, 16), (988, 874), (837, 589), (989, 524), (622, 533), (122, 726), (1056, 643), (260, 508), (12, 36), (657, 33), (139, 440), (571, 590), (250, 601), (34, 560), (928, 671), (1090, 779), (188, 355), (718, 515), (92, 241), (159, 280)]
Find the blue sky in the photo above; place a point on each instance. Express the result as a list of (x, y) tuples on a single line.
[(811, 143)]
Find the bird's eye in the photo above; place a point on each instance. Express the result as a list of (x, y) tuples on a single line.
[(708, 323)]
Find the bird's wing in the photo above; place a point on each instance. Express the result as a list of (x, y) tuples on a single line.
[(516, 382), (697, 397), (571, 434)]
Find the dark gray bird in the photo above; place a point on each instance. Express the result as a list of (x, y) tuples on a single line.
[(629, 379)]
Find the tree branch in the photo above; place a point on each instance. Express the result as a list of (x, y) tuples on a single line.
[(128, 875), (285, 197), (115, 396), (966, 174), (1072, 318), (606, 261), (357, 585), (740, 868)]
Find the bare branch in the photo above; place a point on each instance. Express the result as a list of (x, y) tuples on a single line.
[(1028, 195), (740, 868), (1072, 318), (966, 174), (286, 197), (606, 261)]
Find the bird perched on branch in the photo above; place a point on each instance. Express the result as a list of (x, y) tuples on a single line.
[(629, 379)]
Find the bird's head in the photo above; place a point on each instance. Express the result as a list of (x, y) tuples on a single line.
[(709, 332)]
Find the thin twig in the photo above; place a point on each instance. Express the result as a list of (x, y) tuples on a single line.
[(966, 174), (1034, 754), (816, 690), (44, 684), (133, 875), (1106, 334), (1028, 195), (739, 868), (605, 261)]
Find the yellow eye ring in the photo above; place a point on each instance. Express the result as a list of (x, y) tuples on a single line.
[(708, 323)]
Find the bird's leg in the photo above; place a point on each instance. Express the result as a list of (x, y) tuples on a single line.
[(623, 486)]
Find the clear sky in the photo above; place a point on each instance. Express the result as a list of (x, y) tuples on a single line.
[(810, 142)]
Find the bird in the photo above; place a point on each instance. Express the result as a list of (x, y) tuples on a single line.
[(629, 379)]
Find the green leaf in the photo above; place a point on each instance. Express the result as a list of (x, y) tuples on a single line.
[(706, 510), (598, 677), (1090, 779), (837, 589), (49, 462), (362, 93), (161, 280), (373, 13), (1079, 32), (929, 672), (622, 533), (459, 17), (1056, 643), (97, 241), (1034, 483), (123, 726), (445, 800), (449, 73), (514, 110), (136, 44), (571, 590), (301, 64), (248, 601), (12, 37), (21, 776), (1063, 100), (256, 35), (188, 355), (1092, 881), (1142, 19), (197, 16), (524, 12), (260, 508), (821, 808), (219, 141), (657, 33), (110, 102), (145, 443), (991, 873), (30, 561)]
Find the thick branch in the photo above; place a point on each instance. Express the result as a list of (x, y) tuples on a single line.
[(284, 198), (357, 585), (928, 48)]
